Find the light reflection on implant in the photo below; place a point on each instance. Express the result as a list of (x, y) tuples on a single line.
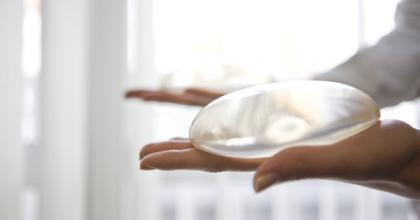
[(262, 120)]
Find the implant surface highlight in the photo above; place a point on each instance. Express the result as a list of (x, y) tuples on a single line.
[(262, 120)]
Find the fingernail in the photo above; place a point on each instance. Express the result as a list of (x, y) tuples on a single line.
[(143, 167), (264, 181)]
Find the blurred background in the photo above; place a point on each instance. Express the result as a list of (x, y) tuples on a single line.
[(69, 141)]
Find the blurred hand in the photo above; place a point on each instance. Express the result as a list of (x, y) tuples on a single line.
[(385, 156), (190, 96)]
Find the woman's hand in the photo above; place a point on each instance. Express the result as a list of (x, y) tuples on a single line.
[(385, 156), (179, 153), (190, 96)]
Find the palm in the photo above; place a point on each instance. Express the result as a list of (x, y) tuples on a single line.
[(386, 157)]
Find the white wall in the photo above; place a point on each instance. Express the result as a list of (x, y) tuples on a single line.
[(10, 109)]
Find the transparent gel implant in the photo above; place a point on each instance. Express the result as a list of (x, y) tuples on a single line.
[(260, 121)]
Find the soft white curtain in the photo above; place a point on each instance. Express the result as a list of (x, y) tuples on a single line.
[(63, 106), (89, 140), (84, 64)]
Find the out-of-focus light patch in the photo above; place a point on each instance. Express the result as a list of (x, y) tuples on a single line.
[(405, 111), (29, 130), (132, 18), (30, 206), (31, 45), (32, 3)]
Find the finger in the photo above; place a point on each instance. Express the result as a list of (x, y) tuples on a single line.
[(170, 97), (134, 93), (203, 93), (163, 146), (194, 159), (305, 162), (164, 96), (198, 100), (159, 95)]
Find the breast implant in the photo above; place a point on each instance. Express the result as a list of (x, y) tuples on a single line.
[(262, 120)]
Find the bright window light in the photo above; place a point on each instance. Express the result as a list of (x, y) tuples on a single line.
[(252, 41)]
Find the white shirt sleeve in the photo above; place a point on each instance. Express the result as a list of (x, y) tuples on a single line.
[(390, 70)]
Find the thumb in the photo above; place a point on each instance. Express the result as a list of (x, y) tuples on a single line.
[(301, 162)]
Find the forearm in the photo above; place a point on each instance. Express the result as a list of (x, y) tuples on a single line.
[(388, 71)]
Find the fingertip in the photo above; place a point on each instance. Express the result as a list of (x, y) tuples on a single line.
[(145, 150), (128, 94), (132, 93), (146, 163), (163, 160), (142, 154), (144, 166)]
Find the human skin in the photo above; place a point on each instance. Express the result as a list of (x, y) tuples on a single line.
[(386, 157), (190, 96)]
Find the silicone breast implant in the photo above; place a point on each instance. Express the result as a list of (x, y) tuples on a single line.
[(260, 121)]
